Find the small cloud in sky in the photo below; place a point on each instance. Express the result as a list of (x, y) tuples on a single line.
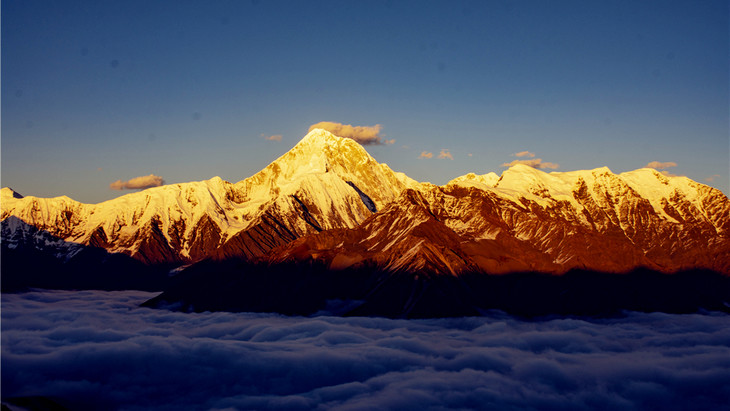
[(426, 154), (389, 142), (273, 137), (445, 154), (365, 135), (534, 163), (138, 183), (470, 154), (712, 178), (524, 154), (659, 165)]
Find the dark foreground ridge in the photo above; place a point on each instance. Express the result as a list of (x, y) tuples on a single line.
[(310, 289), (26, 265), (91, 269)]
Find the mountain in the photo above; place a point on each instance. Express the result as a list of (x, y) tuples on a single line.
[(529, 220), (327, 201), (324, 182)]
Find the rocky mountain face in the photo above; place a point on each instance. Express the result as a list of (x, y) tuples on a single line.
[(324, 182), (327, 200), (528, 220)]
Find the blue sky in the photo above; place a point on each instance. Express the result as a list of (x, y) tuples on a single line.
[(95, 92)]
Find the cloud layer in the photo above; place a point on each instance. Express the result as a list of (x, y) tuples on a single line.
[(365, 135), (98, 350), (138, 183)]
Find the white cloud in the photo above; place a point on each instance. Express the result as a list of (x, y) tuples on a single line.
[(534, 163), (659, 165), (426, 154), (445, 154), (365, 135), (273, 137), (712, 178), (662, 166), (524, 154), (138, 183)]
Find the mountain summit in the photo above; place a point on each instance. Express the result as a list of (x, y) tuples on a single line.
[(324, 182), (327, 200), (323, 158)]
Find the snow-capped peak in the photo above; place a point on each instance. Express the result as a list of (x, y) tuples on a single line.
[(322, 153), (9, 193), (489, 179), (320, 136)]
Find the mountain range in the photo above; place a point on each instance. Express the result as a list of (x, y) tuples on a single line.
[(325, 228), (327, 200)]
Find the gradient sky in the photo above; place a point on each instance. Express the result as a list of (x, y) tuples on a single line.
[(95, 92)]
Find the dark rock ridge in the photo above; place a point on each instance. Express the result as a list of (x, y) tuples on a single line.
[(313, 289), (35, 264)]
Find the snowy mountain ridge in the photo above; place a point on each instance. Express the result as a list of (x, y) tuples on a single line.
[(328, 199), (187, 222), (535, 221)]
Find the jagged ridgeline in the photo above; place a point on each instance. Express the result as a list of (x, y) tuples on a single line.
[(328, 202), (324, 182)]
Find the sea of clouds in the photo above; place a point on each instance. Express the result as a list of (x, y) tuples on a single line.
[(99, 350)]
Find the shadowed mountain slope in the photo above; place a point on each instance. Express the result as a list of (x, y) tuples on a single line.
[(534, 221)]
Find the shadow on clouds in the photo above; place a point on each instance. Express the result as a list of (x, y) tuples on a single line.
[(100, 350)]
